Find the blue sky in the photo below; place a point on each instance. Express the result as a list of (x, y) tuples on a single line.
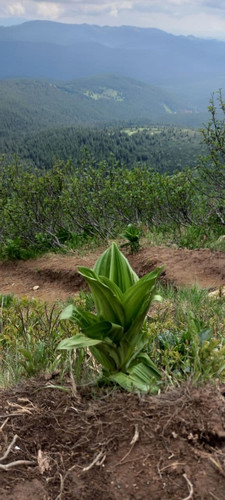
[(202, 18)]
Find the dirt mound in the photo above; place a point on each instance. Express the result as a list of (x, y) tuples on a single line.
[(112, 446), (57, 276)]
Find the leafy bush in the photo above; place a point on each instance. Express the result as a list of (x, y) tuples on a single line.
[(13, 249), (67, 206)]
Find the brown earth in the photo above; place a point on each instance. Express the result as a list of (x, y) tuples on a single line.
[(112, 445), (57, 276)]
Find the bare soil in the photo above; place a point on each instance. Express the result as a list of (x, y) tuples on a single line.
[(57, 276), (112, 445)]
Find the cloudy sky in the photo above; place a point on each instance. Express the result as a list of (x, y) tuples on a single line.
[(204, 18)]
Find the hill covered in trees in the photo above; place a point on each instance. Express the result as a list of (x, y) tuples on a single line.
[(43, 49), (41, 120), (27, 105), (164, 148)]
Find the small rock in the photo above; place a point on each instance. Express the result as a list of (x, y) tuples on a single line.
[(220, 292), (221, 239), (36, 287)]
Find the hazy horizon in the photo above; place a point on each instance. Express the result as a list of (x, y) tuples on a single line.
[(199, 18), (16, 22)]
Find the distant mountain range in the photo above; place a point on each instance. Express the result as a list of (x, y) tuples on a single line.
[(189, 67)]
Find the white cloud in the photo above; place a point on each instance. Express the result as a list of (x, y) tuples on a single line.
[(114, 12), (49, 10), (16, 9), (197, 17)]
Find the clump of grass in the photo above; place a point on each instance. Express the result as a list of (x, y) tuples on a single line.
[(186, 334), (29, 335)]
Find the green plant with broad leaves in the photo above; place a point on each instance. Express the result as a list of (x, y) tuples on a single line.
[(115, 335), (132, 234)]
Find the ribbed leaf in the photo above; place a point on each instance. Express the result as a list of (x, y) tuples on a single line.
[(77, 341), (107, 303), (144, 365), (114, 265), (103, 329), (107, 356), (130, 383), (142, 357), (67, 313), (116, 334), (115, 289), (132, 352), (138, 293), (82, 318), (141, 378), (127, 382), (134, 334)]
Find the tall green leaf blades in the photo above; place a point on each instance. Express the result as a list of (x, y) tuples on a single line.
[(114, 265), (115, 334)]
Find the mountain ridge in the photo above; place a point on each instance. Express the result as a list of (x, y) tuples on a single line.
[(51, 50)]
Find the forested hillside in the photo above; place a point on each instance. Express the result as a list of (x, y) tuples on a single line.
[(41, 120), (163, 148), (27, 105)]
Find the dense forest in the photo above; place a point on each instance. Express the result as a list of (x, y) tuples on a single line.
[(28, 105), (106, 114), (165, 149), (39, 104)]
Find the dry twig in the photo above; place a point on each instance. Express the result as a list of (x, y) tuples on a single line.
[(96, 459), (72, 379), (173, 465), (3, 425), (214, 496), (132, 443), (190, 487), (14, 464), (8, 449)]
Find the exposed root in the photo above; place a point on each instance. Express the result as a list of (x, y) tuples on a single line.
[(95, 461), (9, 448), (15, 464), (190, 488)]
